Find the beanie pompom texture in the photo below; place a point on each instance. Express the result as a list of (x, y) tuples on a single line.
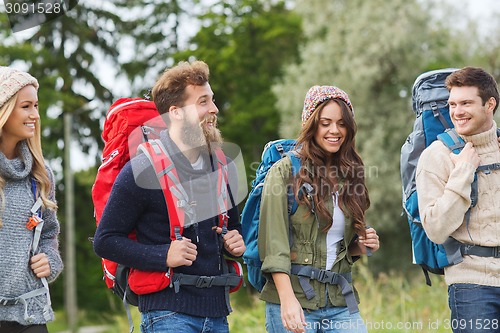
[(317, 95), (13, 80)]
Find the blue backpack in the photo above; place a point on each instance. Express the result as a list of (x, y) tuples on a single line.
[(430, 104), (273, 152)]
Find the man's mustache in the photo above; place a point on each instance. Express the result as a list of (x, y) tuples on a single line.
[(208, 119)]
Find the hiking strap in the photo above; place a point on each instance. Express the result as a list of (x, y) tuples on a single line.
[(306, 273), (147, 131), (128, 312), (36, 223), (176, 198), (460, 249), (305, 188), (488, 168), (426, 275), (222, 190), (480, 251), (452, 140), (438, 115), (222, 204), (224, 280)]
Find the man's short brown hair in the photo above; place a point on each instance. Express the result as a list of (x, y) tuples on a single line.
[(475, 77), (170, 87)]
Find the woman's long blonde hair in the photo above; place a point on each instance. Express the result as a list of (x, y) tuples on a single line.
[(38, 170)]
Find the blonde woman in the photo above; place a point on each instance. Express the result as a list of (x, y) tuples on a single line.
[(29, 227)]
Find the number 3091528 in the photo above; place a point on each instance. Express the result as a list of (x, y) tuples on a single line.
[(33, 8)]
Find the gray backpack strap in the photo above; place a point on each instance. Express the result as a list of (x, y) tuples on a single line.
[(306, 273), (36, 210), (435, 111), (452, 249), (480, 251)]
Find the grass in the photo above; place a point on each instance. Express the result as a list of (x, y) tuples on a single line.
[(390, 302)]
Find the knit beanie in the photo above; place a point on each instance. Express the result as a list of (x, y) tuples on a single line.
[(317, 95), (11, 81)]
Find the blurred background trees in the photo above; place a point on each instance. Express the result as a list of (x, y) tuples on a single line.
[(263, 56)]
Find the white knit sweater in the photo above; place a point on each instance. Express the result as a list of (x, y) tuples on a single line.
[(444, 198), (16, 277)]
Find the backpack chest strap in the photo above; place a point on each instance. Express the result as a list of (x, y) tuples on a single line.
[(488, 168), (306, 273)]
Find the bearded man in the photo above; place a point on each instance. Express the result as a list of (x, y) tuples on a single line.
[(185, 101)]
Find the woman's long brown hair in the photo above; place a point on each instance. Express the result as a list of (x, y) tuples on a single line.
[(342, 171)]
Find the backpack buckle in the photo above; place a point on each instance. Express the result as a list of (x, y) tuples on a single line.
[(204, 282), (496, 252), (33, 221), (327, 277)]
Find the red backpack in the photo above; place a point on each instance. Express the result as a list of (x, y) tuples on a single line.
[(129, 122), (132, 125), (121, 138)]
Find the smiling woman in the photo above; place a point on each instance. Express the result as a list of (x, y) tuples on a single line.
[(307, 256), (28, 223), (21, 123)]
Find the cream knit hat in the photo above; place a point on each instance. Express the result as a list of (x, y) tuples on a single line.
[(11, 81)]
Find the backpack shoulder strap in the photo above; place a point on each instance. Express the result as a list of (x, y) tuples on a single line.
[(306, 187), (222, 189), (175, 196), (36, 222), (295, 159), (452, 140)]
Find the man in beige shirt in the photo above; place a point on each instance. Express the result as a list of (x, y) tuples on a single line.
[(444, 193)]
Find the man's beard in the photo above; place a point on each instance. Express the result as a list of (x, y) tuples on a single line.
[(199, 135)]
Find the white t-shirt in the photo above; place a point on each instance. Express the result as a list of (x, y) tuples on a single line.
[(335, 234), (198, 165)]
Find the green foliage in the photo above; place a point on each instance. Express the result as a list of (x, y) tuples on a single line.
[(393, 302), (246, 44), (156, 27)]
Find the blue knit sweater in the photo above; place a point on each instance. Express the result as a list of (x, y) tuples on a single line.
[(137, 203)]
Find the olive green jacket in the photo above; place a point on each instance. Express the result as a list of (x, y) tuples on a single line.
[(308, 246)]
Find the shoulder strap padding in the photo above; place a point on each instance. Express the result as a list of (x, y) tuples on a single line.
[(452, 140)]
